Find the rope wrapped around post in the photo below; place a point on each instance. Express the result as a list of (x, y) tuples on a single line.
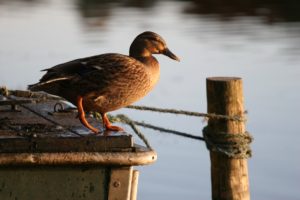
[(231, 145)]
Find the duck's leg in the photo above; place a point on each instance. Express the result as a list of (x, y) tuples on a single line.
[(81, 115), (108, 125)]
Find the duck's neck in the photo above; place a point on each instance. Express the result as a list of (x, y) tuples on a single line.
[(149, 61), (138, 51), (144, 57)]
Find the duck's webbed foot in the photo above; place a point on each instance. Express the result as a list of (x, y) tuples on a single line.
[(108, 125)]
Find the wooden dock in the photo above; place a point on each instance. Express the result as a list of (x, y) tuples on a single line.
[(45, 153)]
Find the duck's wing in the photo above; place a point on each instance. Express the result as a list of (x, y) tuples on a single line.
[(92, 73), (111, 69), (70, 69)]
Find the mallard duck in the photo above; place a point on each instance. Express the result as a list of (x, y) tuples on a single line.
[(107, 82)]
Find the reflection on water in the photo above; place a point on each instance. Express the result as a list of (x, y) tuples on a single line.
[(95, 12), (257, 40), (232, 14), (94, 4), (269, 10)]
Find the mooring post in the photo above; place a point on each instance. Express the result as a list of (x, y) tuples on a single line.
[(229, 175)]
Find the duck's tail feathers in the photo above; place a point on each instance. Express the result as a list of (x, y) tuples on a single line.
[(46, 84), (35, 87)]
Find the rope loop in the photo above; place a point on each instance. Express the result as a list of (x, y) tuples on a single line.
[(231, 145)]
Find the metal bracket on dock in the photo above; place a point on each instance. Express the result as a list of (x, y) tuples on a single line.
[(60, 110)]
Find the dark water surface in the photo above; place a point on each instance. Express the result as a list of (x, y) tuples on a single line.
[(258, 41)]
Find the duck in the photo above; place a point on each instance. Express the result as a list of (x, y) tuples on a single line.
[(107, 82)]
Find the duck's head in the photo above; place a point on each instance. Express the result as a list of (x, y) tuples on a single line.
[(148, 43)]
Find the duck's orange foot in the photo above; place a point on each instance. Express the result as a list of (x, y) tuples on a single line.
[(113, 128), (82, 118), (108, 125)]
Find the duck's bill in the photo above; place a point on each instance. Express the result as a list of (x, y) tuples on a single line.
[(168, 53)]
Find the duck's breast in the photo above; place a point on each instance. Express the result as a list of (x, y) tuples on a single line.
[(130, 83)]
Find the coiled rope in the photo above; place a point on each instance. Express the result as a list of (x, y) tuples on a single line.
[(231, 145)]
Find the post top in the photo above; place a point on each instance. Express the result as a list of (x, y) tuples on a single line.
[(224, 79)]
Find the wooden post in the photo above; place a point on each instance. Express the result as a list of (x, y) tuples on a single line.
[(229, 176)]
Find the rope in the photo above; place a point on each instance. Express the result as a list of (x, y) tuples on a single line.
[(188, 113), (124, 119), (4, 91), (228, 144), (37, 96), (40, 97), (179, 133)]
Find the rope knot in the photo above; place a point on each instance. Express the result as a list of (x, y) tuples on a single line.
[(231, 145), (4, 91)]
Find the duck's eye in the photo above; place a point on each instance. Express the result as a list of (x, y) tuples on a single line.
[(158, 46), (154, 50)]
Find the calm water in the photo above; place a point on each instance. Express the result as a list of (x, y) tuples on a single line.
[(257, 43)]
